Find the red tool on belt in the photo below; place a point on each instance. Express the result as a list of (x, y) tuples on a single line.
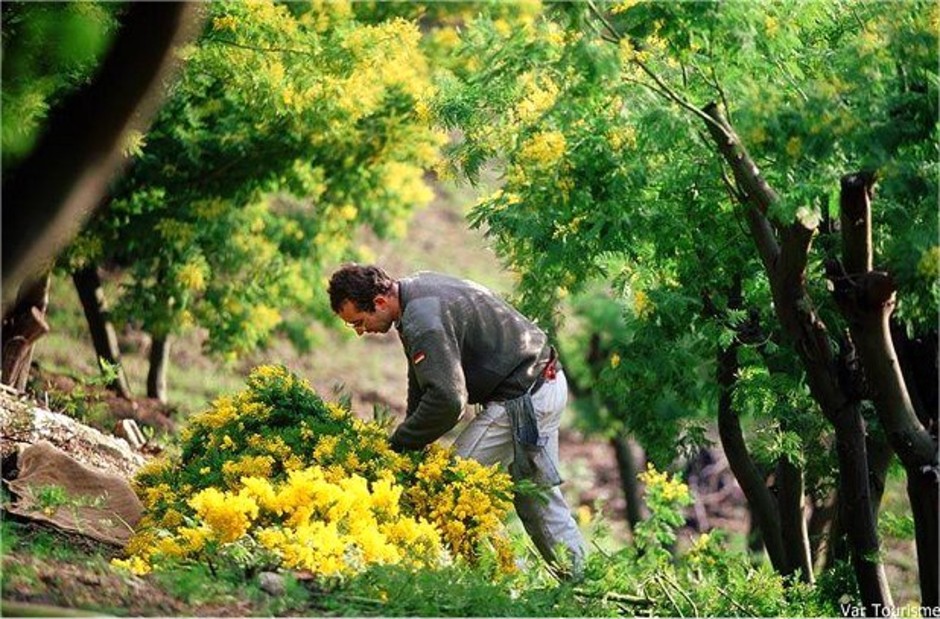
[(551, 368)]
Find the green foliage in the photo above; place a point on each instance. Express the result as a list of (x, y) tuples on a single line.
[(291, 126), (453, 591), (581, 182), (42, 542), (84, 401), (590, 115), (706, 579), (657, 394), (898, 526), (608, 179), (50, 498), (666, 496), (659, 577), (199, 584), (49, 49), (838, 585), (9, 536)]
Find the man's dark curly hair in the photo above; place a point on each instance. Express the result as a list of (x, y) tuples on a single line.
[(359, 284)]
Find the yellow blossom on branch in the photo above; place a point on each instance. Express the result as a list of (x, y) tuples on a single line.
[(544, 149), (228, 515), (663, 486), (316, 487), (540, 95)]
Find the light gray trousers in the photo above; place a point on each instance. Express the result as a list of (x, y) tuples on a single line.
[(488, 439)]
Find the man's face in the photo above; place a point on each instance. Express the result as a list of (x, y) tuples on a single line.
[(379, 321)]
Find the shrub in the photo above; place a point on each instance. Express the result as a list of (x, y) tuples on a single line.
[(274, 476), (707, 579)]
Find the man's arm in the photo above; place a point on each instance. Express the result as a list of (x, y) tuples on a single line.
[(437, 391), (414, 391)]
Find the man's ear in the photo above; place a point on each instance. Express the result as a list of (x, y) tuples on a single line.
[(380, 301)]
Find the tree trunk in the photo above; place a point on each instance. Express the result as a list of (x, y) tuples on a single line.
[(879, 459), (785, 262), (755, 539), (25, 323), (922, 491), (837, 549), (50, 193), (90, 293), (623, 450), (920, 366), (791, 499), (918, 359), (866, 298), (159, 360), (763, 505), (856, 512), (626, 467), (822, 518)]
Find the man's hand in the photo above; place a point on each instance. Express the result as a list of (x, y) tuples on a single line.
[(395, 445)]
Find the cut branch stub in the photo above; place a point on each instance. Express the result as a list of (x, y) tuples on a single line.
[(878, 291), (22, 327), (855, 206), (794, 254)]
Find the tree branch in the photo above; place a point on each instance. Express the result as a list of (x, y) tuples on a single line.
[(794, 253), (791, 500), (673, 96), (866, 298), (763, 505), (809, 335), (649, 87), (668, 92), (756, 194), (603, 19)]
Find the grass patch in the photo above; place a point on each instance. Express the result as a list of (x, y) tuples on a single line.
[(455, 591), (9, 536), (44, 544), (197, 585), (200, 584), (18, 576)]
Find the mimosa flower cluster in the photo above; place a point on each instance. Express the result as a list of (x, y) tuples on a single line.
[(277, 477)]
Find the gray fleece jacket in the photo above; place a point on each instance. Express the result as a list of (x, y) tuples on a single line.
[(464, 344)]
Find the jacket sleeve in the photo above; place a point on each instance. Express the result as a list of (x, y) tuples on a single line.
[(437, 390), (414, 391)]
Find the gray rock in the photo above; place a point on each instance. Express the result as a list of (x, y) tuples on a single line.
[(24, 423), (271, 583), (130, 432)]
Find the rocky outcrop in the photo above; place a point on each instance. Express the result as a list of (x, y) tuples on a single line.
[(23, 423)]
